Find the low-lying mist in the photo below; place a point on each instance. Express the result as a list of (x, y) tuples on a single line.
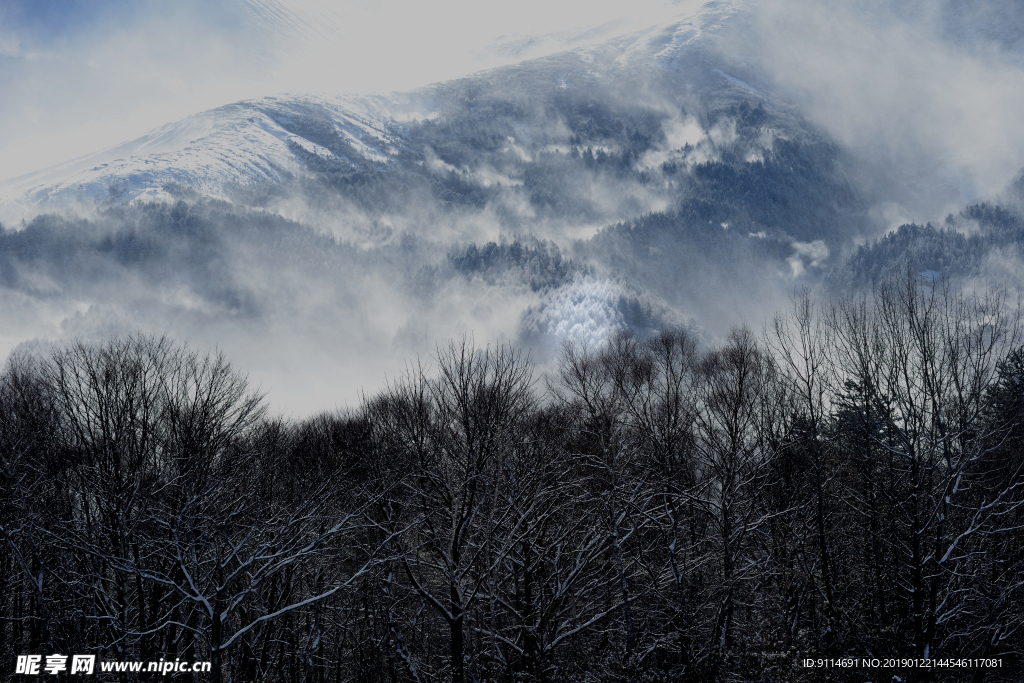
[(316, 319)]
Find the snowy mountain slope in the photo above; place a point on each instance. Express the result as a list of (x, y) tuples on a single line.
[(257, 143), (657, 157), (248, 144)]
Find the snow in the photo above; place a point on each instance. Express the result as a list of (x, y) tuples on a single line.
[(247, 144), (259, 143)]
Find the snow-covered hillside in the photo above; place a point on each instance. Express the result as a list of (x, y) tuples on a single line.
[(256, 143), (244, 145)]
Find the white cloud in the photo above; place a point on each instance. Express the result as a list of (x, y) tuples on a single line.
[(932, 107)]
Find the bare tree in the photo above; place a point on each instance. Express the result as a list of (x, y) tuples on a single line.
[(184, 539), (800, 342), (923, 355), (661, 415), (457, 428), (556, 559), (737, 436), (600, 387), (29, 492)]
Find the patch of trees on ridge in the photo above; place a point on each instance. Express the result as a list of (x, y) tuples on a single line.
[(849, 484), (536, 262), (946, 249)]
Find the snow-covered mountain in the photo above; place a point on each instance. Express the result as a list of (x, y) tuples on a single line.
[(258, 143), (641, 179), (249, 144)]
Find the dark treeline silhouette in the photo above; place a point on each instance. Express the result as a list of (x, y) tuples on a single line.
[(847, 483)]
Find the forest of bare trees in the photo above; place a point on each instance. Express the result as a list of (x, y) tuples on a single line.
[(846, 482)]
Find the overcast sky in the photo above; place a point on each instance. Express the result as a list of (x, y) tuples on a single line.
[(81, 75)]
